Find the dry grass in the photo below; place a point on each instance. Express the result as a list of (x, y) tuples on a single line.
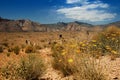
[(27, 68), (88, 68)]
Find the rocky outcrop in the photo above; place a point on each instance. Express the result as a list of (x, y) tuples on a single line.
[(78, 26), (20, 25), (9, 25)]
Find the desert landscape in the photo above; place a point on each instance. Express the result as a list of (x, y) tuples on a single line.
[(61, 51), (59, 40)]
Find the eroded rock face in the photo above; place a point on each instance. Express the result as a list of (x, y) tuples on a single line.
[(73, 27), (27, 25)]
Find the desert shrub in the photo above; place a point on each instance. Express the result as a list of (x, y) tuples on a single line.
[(28, 68), (62, 55), (22, 46), (1, 49), (30, 49), (10, 49), (9, 71), (87, 68), (31, 68), (16, 50), (5, 44), (72, 58), (108, 41)]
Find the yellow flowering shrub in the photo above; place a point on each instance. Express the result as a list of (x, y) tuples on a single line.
[(75, 57), (108, 41), (72, 58)]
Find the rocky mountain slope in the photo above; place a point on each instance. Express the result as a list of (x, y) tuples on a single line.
[(7, 25)]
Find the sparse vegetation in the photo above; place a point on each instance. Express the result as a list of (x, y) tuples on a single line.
[(30, 49), (16, 50), (1, 49), (31, 68), (10, 49), (28, 68), (87, 68), (74, 54), (5, 44)]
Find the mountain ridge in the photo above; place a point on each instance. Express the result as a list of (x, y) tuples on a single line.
[(7, 25)]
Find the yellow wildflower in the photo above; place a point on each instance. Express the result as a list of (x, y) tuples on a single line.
[(113, 35), (73, 46), (94, 45), (113, 38), (108, 47), (63, 53), (81, 42), (93, 40), (114, 52), (70, 60), (83, 45)]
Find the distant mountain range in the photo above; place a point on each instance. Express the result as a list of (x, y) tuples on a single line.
[(7, 25)]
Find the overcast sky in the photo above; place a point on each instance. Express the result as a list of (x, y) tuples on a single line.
[(52, 11)]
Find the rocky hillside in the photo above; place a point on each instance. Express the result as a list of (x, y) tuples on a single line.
[(20, 25), (7, 25)]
